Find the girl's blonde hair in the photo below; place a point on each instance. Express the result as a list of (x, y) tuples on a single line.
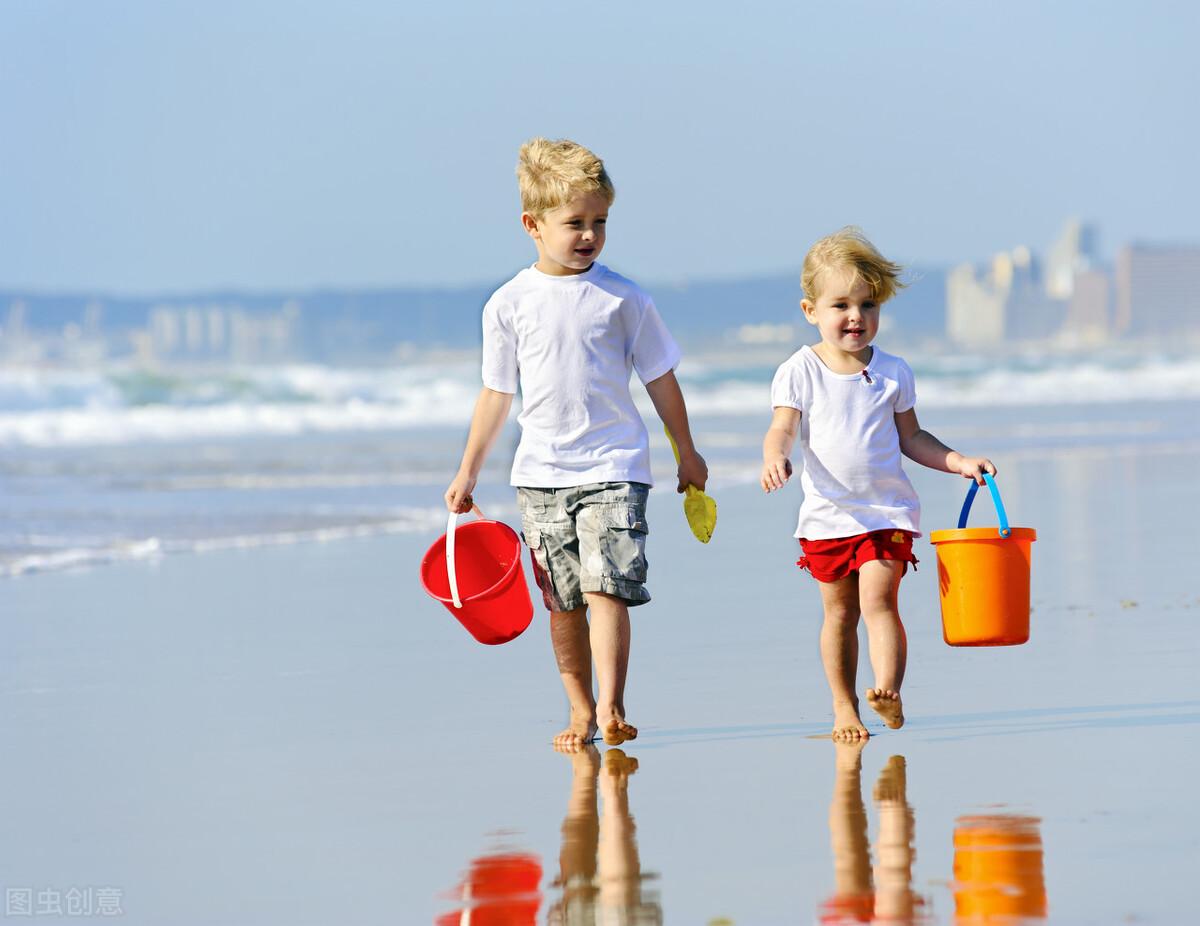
[(552, 173), (849, 249)]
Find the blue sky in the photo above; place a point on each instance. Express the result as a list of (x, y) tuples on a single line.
[(158, 145)]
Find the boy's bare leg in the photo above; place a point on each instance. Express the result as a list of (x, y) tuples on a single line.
[(839, 654), (879, 587), (610, 650), (573, 652)]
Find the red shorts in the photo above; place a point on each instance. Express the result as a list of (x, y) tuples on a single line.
[(830, 560)]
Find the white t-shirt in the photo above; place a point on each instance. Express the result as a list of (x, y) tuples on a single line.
[(852, 478), (570, 342)]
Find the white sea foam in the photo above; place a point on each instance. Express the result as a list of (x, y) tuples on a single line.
[(76, 409)]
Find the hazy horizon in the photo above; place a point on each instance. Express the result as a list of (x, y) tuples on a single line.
[(279, 145)]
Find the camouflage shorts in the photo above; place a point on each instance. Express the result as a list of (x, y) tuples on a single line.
[(589, 538)]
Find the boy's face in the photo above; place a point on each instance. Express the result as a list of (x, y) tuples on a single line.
[(845, 312), (571, 237)]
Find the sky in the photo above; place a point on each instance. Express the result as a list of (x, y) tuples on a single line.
[(151, 146)]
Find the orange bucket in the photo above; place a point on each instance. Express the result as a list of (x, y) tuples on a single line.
[(983, 577), (475, 571), (998, 869)]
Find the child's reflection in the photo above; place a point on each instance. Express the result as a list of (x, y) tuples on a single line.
[(858, 897), (600, 874)]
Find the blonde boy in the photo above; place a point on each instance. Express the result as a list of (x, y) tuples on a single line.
[(568, 331), (853, 408)]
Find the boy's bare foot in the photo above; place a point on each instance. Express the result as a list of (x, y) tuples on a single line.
[(580, 732), (847, 725), (614, 729), (849, 754), (886, 703)]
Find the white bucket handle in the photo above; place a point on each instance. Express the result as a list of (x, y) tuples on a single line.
[(451, 524)]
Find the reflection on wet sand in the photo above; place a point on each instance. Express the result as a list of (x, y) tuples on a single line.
[(499, 889), (600, 875), (998, 876), (860, 894)]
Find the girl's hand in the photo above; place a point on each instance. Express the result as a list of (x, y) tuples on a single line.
[(975, 467), (775, 473), (458, 495)]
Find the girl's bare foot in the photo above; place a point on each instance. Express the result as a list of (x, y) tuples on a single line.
[(847, 725), (614, 728), (580, 732), (886, 703)]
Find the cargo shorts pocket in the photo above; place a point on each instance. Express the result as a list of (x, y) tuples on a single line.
[(622, 542)]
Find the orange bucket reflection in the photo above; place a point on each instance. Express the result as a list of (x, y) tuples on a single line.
[(498, 890), (998, 874)]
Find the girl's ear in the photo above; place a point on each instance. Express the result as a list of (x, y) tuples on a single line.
[(808, 309), (531, 225)]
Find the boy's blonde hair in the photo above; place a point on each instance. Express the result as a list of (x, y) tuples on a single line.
[(849, 249), (552, 173)]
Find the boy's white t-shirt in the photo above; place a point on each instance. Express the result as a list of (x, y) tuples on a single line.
[(570, 343), (852, 478)]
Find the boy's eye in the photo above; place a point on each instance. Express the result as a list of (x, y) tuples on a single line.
[(601, 221), (869, 304), (839, 305)]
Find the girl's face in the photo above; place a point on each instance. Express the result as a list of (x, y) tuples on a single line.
[(845, 313)]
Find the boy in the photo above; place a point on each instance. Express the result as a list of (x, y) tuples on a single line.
[(569, 331), (852, 406)]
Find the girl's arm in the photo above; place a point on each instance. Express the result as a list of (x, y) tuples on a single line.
[(491, 410), (777, 444), (924, 448), (668, 402)]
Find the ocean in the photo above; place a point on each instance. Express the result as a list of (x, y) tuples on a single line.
[(113, 464)]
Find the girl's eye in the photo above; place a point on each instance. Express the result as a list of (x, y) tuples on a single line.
[(601, 221), (868, 305)]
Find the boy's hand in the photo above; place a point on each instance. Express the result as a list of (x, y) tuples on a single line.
[(775, 473), (458, 496), (692, 471), (974, 468)]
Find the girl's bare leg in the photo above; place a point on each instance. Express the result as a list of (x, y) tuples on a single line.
[(610, 650), (879, 587), (839, 654), (572, 650)]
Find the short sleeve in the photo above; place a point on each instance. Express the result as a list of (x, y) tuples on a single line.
[(789, 389), (501, 372), (906, 395), (654, 351)]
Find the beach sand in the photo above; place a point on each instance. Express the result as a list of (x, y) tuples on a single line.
[(299, 735)]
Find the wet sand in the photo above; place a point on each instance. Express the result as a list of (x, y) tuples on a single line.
[(299, 735)]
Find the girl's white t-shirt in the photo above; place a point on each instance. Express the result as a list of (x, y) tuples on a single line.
[(570, 343), (852, 478)]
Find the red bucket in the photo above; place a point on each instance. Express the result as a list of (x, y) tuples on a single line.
[(483, 585)]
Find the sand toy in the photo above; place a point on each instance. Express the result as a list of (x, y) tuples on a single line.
[(698, 508), (475, 571), (983, 576)]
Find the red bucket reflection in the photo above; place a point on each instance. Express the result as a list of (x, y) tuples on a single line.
[(498, 890)]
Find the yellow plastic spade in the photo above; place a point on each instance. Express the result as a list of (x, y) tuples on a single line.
[(698, 508)]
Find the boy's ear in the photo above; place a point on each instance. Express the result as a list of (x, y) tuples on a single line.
[(531, 225), (808, 308)]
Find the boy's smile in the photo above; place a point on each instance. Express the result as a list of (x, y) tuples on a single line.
[(846, 315), (570, 237)]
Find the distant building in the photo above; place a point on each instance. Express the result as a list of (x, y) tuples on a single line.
[(1156, 291), (1073, 253), (1089, 310), (1004, 303)]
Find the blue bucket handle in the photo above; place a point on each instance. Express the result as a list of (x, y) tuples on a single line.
[(1005, 530)]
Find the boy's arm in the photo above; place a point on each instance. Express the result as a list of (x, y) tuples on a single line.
[(491, 410), (924, 448), (668, 402), (777, 444)]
